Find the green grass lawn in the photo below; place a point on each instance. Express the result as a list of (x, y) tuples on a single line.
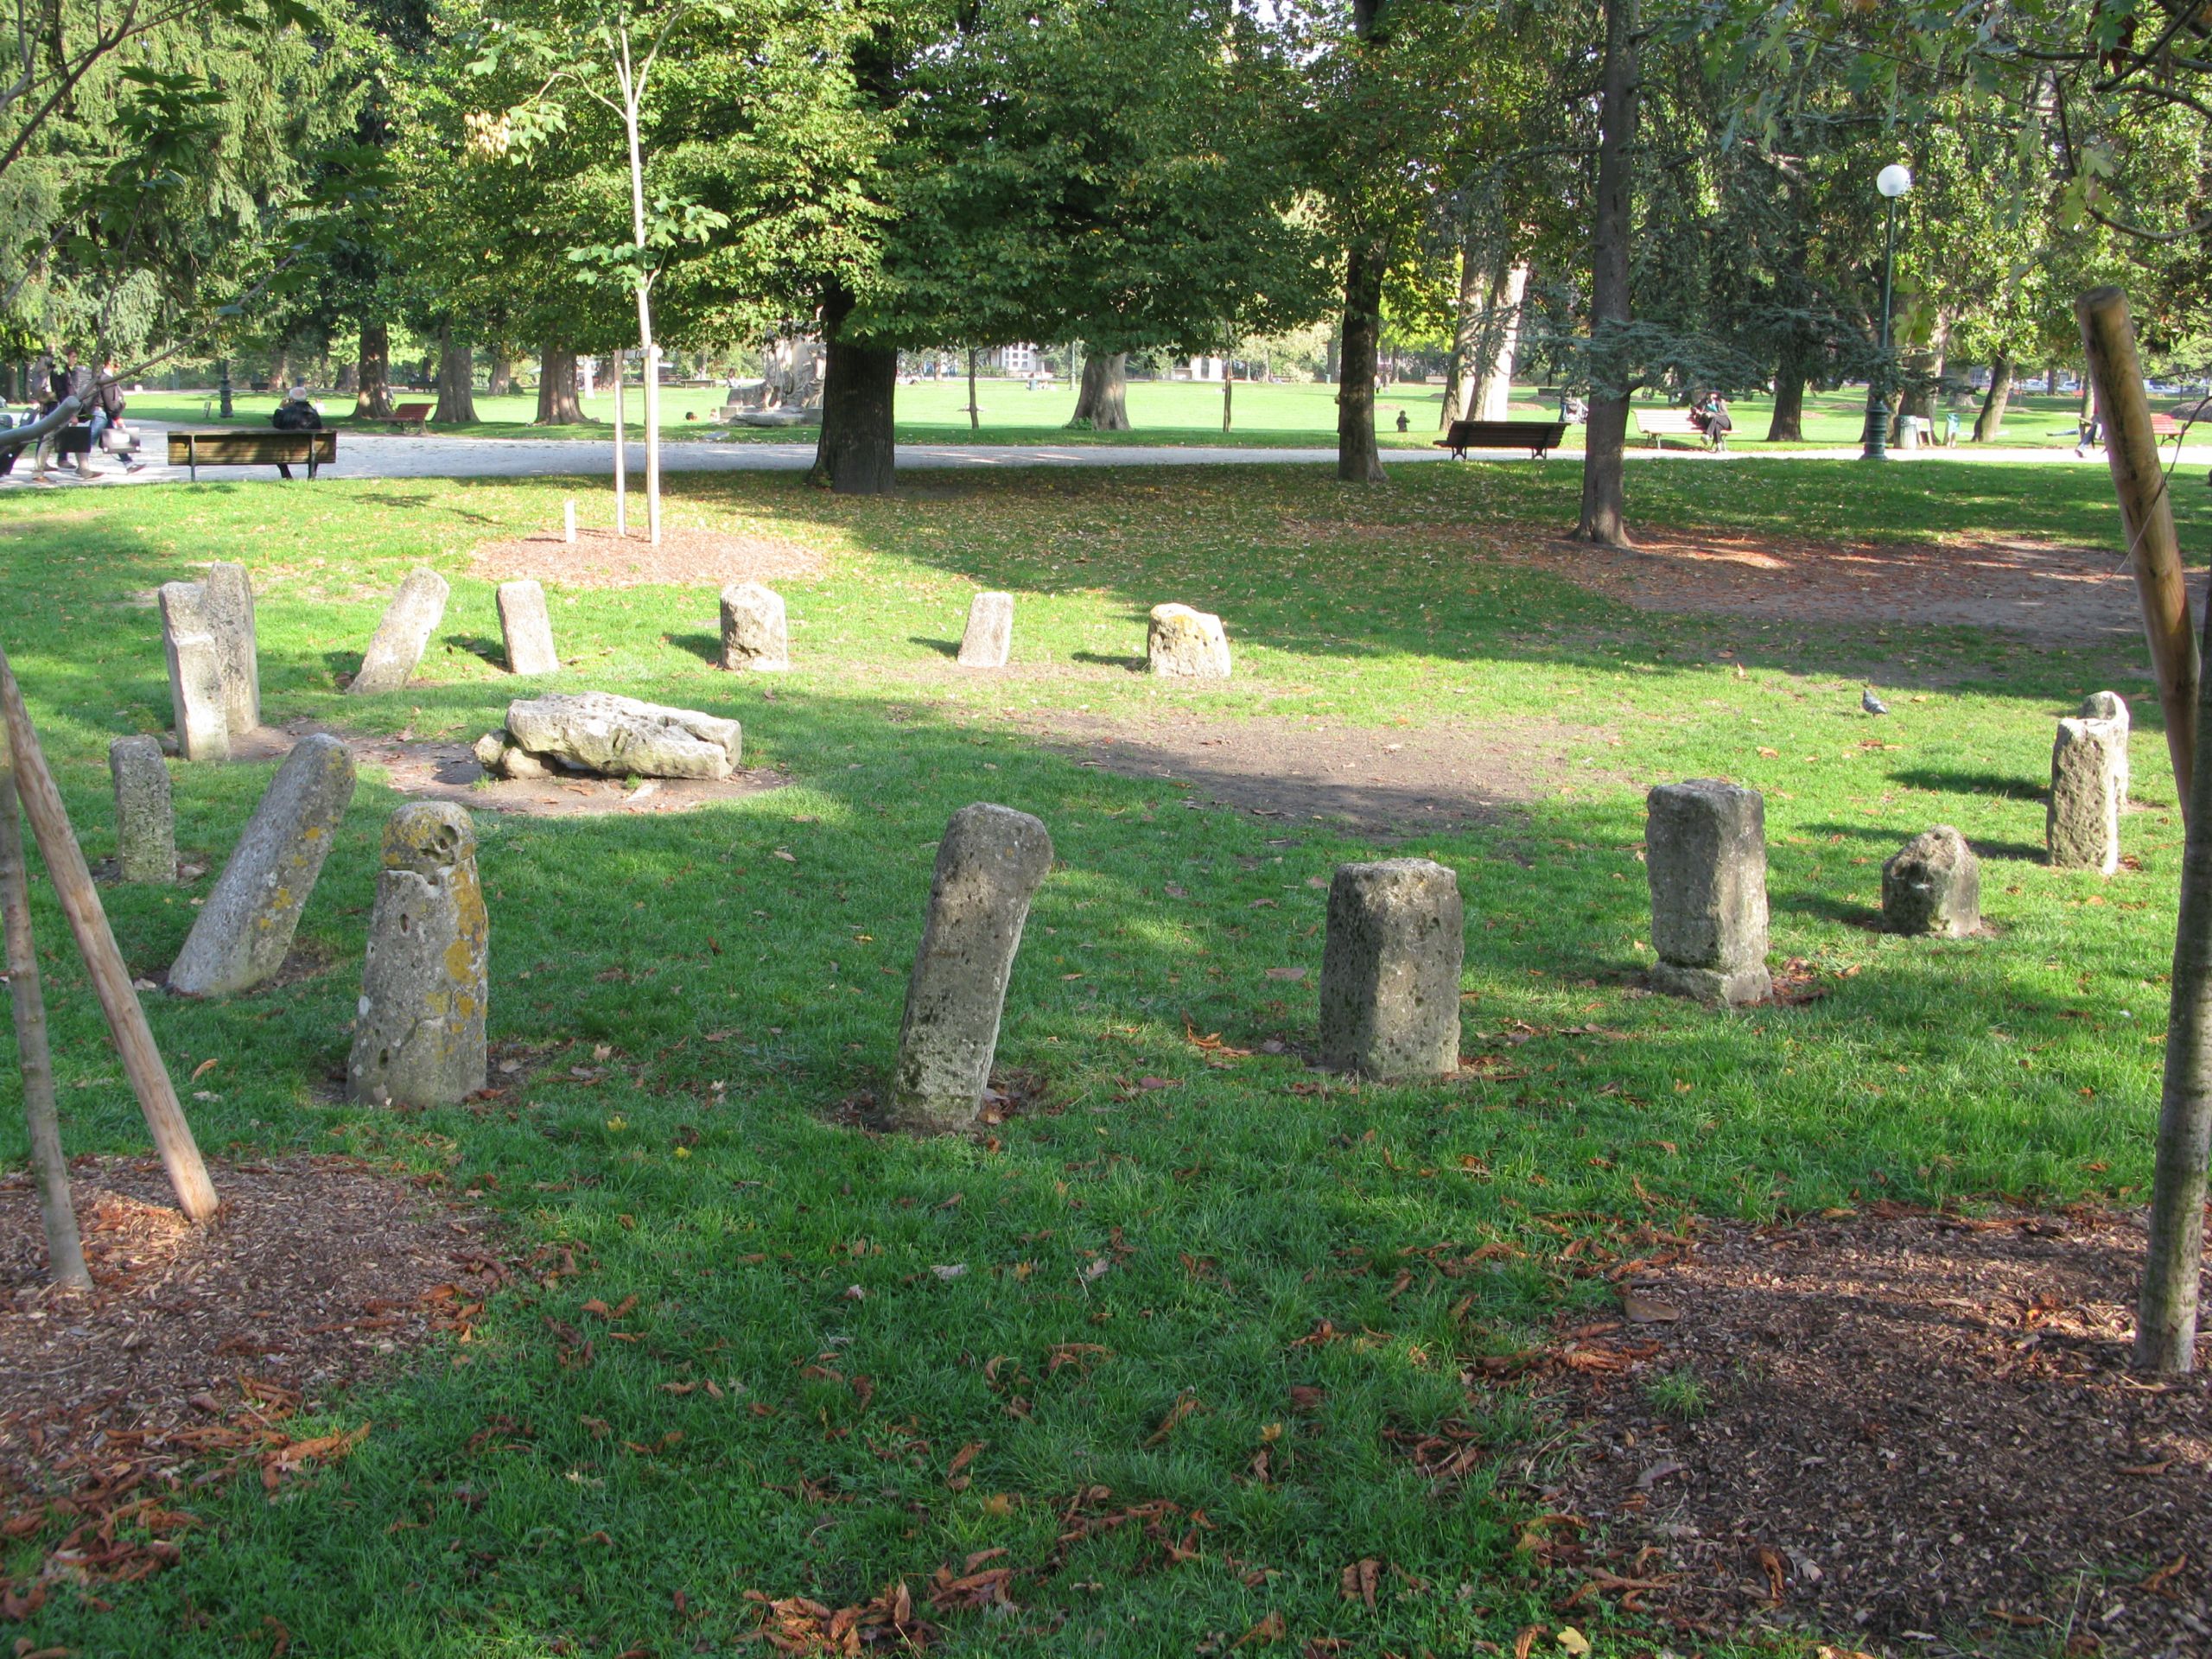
[(1198, 1214)]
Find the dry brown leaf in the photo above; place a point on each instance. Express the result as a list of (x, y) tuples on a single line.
[(1273, 1628)]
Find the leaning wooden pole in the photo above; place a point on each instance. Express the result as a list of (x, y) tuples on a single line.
[(81, 903), (2146, 511), (65, 1251)]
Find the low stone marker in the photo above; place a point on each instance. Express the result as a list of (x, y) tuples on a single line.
[(615, 737), (245, 928), (1704, 855), (409, 621), (145, 813), (527, 628), (989, 638), (1390, 970), (2111, 708), (418, 1036), (754, 633), (1933, 885), (1187, 643), (2082, 827), (208, 634), (989, 865)]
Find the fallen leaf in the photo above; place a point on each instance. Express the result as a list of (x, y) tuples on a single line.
[(1356, 1582), (1285, 973), (1573, 1641), (1273, 1628), (1181, 1409), (2159, 1468), (1526, 1640), (1645, 1310), (202, 1070)]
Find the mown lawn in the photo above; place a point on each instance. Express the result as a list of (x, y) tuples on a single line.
[(1226, 1228)]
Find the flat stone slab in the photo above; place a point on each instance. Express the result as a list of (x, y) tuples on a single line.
[(621, 737)]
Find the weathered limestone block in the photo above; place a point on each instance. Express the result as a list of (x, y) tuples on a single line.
[(1704, 855), (418, 1038), (621, 737), (527, 628), (203, 726), (502, 757), (1390, 970), (989, 865), (1188, 643), (228, 607), (1933, 885), (145, 814), (989, 638), (754, 633), (409, 621), (2082, 827), (208, 634), (2111, 708), (245, 928)]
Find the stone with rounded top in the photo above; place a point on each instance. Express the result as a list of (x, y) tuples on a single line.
[(621, 737), (1705, 857), (987, 640), (755, 635), (419, 1031), (527, 628), (145, 811), (1932, 885), (401, 638), (2111, 708), (1187, 644), (2082, 822), (1390, 970), (988, 866)]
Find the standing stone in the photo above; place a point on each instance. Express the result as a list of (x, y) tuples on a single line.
[(245, 928), (228, 607), (1933, 885), (409, 621), (988, 867), (1390, 970), (2082, 827), (527, 629), (418, 1036), (754, 633), (207, 635), (1188, 643), (989, 638), (145, 815), (2111, 708), (203, 728), (1704, 855)]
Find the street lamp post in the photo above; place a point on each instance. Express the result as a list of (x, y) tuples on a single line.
[(1892, 181)]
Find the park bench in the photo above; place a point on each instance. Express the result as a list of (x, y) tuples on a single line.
[(1658, 423), (231, 448), (1535, 437), (414, 415)]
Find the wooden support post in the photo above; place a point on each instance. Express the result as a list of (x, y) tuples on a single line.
[(2146, 512), (81, 903), (64, 1253)]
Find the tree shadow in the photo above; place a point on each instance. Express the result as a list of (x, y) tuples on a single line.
[(1983, 846)]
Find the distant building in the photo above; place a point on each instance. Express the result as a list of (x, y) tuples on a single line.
[(1011, 359)]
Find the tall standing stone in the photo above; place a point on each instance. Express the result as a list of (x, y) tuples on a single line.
[(1933, 885), (2112, 708), (145, 814), (2082, 827), (1187, 644), (527, 629), (409, 621), (1704, 855), (989, 638), (755, 635), (989, 865), (227, 605), (245, 928), (418, 1036), (203, 726), (1390, 970)]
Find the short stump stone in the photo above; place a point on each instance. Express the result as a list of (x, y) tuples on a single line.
[(755, 636), (1705, 856), (145, 812), (987, 640), (1932, 885), (1390, 970), (1187, 644), (2082, 825)]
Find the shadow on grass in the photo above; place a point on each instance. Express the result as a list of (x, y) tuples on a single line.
[(2006, 785)]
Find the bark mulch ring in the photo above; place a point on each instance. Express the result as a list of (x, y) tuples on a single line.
[(687, 556), (1915, 1433), (195, 1347)]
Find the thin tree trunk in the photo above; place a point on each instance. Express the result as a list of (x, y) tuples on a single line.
[(1991, 421), (621, 453), (1103, 401), (1605, 438), (857, 453), (373, 402), (974, 414), (65, 1251), (1359, 459), (280, 370), (556, 387), (456, 382), (1500, 342), (1228, 392), (1787, 425)]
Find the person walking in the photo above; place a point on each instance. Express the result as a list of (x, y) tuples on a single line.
[(107, 407)]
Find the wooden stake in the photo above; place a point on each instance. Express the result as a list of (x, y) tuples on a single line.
[(81, 903), (65, 1252), (2146, 511)]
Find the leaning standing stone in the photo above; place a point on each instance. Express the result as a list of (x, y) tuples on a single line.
[(527, 629), (754, 633), (2111, 708), (1933, 885), (2082, 827), (1390, 970), (1188, 643), (409, 621), (989, 865), (145, 814), (989, 638), (418, 1039), (245, 928), (1704, 855)]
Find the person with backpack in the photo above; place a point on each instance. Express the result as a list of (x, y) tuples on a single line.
[(107, 406), (297, 413)]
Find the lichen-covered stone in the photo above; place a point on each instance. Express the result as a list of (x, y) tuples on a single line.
[(419, 1033), (1187, 643), (2082, 825), (527, 628), (145, 813), (755, 635), (1933, 885), (1705, 856), (2111, 708), (989, 865), (1390, 970), (245, 928), (988, 639), (621, 737), (409, 621)]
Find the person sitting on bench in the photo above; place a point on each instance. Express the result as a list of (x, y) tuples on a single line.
[(296, 414)]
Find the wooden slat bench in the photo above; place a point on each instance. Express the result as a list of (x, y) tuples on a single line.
[(1658, 423), (1537, 437), (414, 415), (231, 448)]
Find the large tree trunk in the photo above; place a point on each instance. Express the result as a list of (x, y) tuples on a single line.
[(857, 453), (1991, 421), (349, 378), (1787, 425), (280, 370), (556, 387), (499, 380), (1359, 460), (1500, 342), (456, 381), (1102, 404), (1606, 439), (1466, 312), (373, 402)]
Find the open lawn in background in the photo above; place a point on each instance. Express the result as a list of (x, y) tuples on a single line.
[(1195, 1272)]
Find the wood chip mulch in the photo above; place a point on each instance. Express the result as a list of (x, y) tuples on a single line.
[(688, 555), (1910, 1432)]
